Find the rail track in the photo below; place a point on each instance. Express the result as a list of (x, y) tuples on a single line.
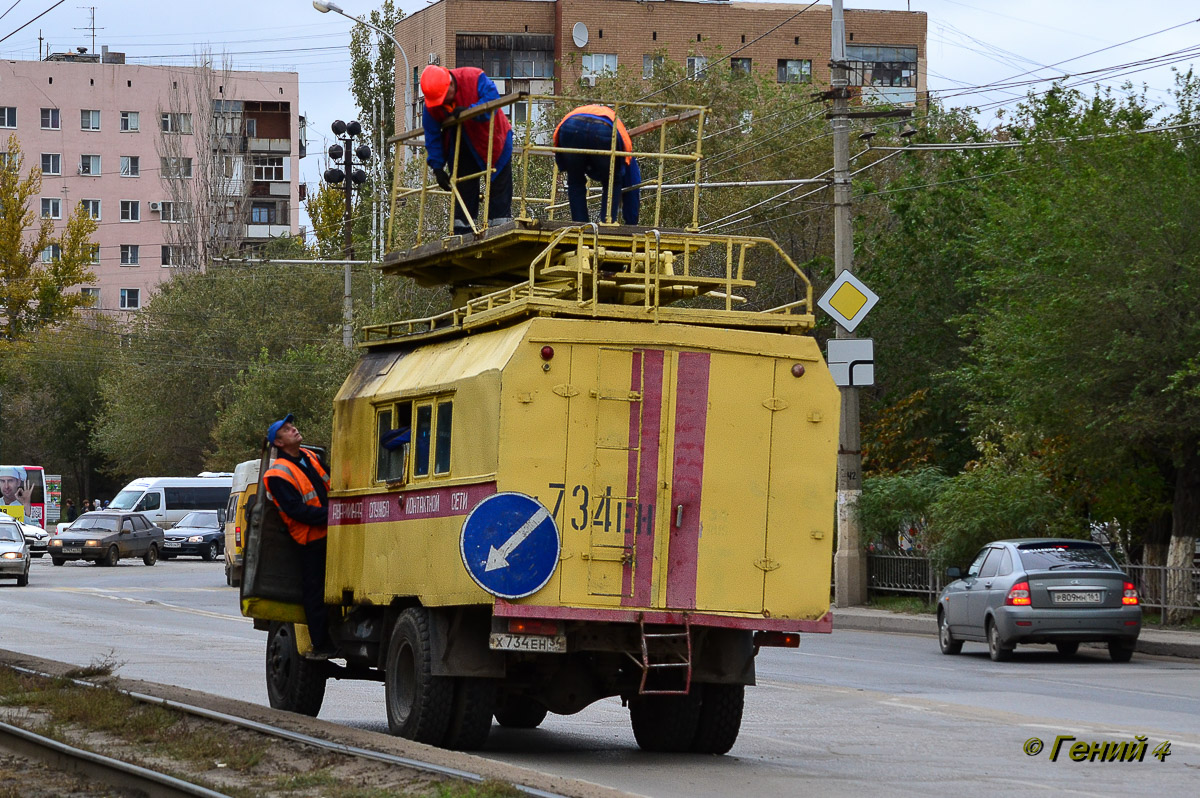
[(158, 785)]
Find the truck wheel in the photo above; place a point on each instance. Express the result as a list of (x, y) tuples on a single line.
[(665, 723), (294, 684), (111, 557), (228, 576), (151, 555), (471, 716), (418, 703), (519, 713), (720, 717)]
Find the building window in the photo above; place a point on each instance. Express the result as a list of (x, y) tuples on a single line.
[(175, 167), (173, 211), (794, 70), (51, 163), (599, 64), (52, 254), (130, 255), (131, 211), (89, 120), (176, 123), (8, 116), (504, 55), (91, 207), (650, 65), (696, 64), (251, 128), (50, 119), (131, 298), (882, 66), (740, 66), (89, 165), (228, 166), (130, 166), (130, 121), (171, 255), (51, 208), (268, 168), (95, 259), (93, 295), (262, 213)]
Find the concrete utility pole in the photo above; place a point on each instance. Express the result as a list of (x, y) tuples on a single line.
[(849, 563)]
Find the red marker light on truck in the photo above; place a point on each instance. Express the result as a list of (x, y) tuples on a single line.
[(547, 352), (532, 626), (798, 370), (1018, 596)]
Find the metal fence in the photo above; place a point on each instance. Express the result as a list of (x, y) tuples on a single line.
[(914, 574), (903, 573)]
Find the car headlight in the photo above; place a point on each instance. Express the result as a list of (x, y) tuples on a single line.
[(56, 543), (196, 539), (13, 555), (92, 543)]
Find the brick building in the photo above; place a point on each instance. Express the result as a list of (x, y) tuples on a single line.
[(554, 46), (173, 162)]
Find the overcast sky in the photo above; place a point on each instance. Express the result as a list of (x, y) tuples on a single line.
[(971, 42)]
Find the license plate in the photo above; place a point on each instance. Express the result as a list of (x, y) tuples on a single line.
[(1076, 597), (72, 550), (556, 644), (171, 544)]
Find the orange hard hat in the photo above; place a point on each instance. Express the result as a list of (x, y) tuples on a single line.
[(435, 81)]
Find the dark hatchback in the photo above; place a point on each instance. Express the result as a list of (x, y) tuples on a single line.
[(1064, 592), (104, 537), (200, 533)]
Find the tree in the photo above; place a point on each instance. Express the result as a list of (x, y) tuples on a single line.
[(37, 268)]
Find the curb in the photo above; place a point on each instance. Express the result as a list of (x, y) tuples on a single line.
[(1152, 641)]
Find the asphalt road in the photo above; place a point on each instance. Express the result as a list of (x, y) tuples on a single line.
[(849, 713)]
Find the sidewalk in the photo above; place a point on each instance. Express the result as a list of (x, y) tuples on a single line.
[(1153, 640)]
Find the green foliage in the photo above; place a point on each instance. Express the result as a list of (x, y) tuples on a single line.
[(894, 502), (34, 294)]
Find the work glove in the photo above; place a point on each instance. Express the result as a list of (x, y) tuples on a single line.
[(443, 179)]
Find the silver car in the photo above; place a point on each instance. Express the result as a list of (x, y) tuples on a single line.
[(1040, 590), (14, 552)]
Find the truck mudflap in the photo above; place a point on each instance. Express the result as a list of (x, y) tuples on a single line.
[(506, 609)]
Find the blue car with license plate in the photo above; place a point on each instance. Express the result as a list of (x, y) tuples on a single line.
[(1040, 590), (200, 533)]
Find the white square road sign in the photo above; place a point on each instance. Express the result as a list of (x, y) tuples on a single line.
[(848, 300), (852, 362)]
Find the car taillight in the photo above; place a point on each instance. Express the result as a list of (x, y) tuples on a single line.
[(1018, 596), (1131, 596), (237, 535)]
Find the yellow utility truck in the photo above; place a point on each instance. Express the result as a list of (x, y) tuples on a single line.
[(605, 478)]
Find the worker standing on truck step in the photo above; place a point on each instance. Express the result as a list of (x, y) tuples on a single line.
[(590, 127), (447, 91), (299, 487)]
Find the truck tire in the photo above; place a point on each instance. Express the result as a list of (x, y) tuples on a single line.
[(471, 715), (720, 717), (519, 713), (418, 703), (665, 723), (294, 684)]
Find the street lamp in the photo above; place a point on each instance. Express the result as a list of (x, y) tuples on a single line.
[(325, 8), (349, 177)]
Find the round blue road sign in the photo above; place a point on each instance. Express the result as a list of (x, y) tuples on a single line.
[(510, 545)]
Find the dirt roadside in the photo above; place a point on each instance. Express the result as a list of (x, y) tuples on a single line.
[(286, 768)]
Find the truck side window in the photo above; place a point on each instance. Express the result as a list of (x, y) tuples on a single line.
[(421, 434), (441, 452), (392, 440)]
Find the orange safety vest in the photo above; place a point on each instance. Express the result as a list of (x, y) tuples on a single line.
[(286, 469), (624, 142)]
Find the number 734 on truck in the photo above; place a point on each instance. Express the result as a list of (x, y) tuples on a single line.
[(608, 471)]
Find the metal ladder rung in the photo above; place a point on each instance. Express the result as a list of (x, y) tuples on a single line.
[(685, 660)]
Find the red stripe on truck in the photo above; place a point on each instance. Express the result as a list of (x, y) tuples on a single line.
[(410, 505), (687, 478)]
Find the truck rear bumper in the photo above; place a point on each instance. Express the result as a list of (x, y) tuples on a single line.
[(505, 609)]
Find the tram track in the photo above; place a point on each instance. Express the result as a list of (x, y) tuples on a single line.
[(326, 738)]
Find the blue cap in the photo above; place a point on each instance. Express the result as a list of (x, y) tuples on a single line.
[(13, 472), (274, 428)]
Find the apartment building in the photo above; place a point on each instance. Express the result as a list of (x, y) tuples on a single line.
[(560, 46), (174, 163)]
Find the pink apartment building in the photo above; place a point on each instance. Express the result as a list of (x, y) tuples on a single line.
[(177, 164)]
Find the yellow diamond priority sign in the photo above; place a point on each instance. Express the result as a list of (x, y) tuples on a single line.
[(848, 300)]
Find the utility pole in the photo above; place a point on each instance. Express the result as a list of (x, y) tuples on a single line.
[(849, 563)]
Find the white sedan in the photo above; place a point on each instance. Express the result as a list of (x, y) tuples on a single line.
[(14, 553), (36, 537)]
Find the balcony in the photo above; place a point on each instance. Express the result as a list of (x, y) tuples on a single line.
[(283, 146), (267, 230)]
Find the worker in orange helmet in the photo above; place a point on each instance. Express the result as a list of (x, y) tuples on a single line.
[(446, 91)]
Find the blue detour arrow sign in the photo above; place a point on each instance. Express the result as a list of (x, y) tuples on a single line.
[(510, 545)]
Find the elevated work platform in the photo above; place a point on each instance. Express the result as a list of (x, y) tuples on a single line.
[(537, 264)]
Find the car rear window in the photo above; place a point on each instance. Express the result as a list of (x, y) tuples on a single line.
[(1056, 556)]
